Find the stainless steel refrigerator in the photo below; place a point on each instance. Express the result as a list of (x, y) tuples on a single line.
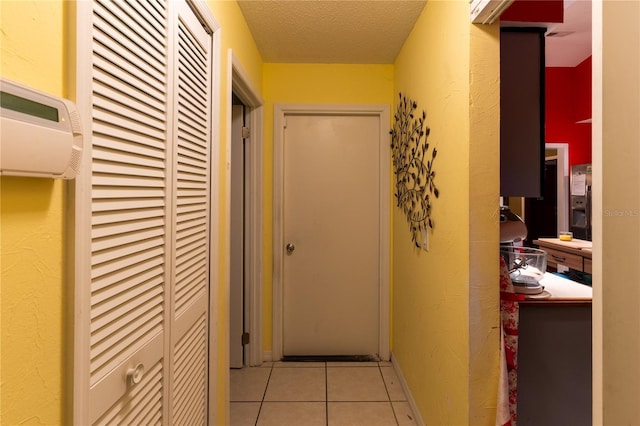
[(581, 201)]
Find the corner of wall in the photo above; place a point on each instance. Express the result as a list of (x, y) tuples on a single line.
[(447, 297)]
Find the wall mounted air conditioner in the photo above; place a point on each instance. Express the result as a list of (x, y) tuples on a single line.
[(487, 11), (40, 134)]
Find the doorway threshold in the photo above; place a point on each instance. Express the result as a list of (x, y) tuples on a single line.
[(330, 358)]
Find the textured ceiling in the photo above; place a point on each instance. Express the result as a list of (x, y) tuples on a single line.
[(373, 31), (330, 31)]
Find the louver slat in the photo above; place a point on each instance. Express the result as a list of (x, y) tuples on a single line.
[(121, 66), (120, 119), (154, 266), (111, 85), (196, 257), (190, 368), (106, 136), (190, 154), (142, 29), (113, 173), (125, 240), (188, 221), (151, 59), (105, 300), (124, 330), (146, 166), (193, 174), (102, 220), (140, 90), (126, 183), (125, 224), (131, 111)]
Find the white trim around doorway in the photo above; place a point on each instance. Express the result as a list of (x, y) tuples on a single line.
[(243, 87), (563, 184), (280, 111)]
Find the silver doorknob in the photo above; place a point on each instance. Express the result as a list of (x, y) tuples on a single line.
[(290, 248)]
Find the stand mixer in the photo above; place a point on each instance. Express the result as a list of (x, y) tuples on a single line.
[(526, 265)]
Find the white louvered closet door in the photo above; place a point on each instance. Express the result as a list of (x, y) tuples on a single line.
[(147, 306), (190, 214)]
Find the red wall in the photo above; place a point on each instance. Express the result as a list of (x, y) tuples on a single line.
[(534, 11), (567, 101)]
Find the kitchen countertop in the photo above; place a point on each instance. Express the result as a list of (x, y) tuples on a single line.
[(574, 243), (561, 290), (576, 246)]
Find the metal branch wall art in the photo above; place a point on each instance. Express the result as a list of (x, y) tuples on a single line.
[(413, 167)]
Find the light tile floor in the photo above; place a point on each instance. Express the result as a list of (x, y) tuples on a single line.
[(319, 393)]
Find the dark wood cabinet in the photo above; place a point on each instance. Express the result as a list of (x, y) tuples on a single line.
[(554, 364), (522, 112)]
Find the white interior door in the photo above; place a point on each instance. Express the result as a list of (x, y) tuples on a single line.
[(331, 214)]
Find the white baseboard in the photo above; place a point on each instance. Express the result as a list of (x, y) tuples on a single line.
[(267, 356), (407, 392)]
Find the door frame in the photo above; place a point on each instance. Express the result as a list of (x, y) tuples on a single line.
[(562, 150), (245, 90), (280, 112), (238, 315)]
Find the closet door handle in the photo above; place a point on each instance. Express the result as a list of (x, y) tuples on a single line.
[(134, 375)]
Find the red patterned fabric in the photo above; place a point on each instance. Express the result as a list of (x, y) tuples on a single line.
[(509, 314)]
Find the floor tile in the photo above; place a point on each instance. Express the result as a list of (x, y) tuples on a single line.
[(355, 384), (296, 384), (361, 414), (404, 414), (244, 413), (394, 388), (292, 364), (296, 395), (292, 414), (353, 364), (249, 384)]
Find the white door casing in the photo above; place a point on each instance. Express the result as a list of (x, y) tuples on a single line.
[(563, 183), (282, 266), (243, 87), (237, 239), (142, 232)]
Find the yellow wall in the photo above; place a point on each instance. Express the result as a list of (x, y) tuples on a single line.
[(32, 225), (435, 327), (237, 37), (316, 84), (484, 185), (445, 304)]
